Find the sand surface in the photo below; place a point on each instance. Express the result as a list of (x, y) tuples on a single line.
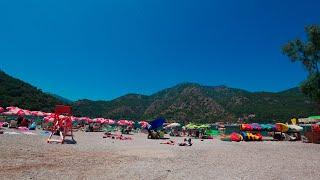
[(31, 157)]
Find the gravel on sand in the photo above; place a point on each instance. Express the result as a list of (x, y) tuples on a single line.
[(31, 157)]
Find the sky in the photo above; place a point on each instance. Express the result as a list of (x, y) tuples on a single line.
[(104, 49)]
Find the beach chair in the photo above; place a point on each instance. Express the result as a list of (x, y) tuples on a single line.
[(62, 125)]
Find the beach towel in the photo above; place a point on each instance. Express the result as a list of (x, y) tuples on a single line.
[(45, 133), (12, 133), (253, 137), (29, 133), (23, 129)]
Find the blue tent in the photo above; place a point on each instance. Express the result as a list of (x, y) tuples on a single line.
[(155, 124)]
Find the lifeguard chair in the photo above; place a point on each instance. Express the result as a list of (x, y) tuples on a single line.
[(62, 123)]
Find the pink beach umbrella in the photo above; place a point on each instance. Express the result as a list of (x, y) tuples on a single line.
[(48, 119), (37, 113), (123, 123), (98, 120), (47, 114), (130, 123), (110, 121), (11, 108), (9, 113), (74, 118), (144, 124), (27, 112), (86, 119), (20, 113)]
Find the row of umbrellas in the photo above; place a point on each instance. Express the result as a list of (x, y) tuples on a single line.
[(49, 117)]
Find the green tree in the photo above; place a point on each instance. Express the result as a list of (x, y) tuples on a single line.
[(308, 53)]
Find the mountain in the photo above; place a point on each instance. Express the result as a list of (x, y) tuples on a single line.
[(62, 99), (196, 103), (14, 92), (185, 102)]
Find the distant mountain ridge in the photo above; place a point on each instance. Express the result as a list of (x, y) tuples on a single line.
[(196, 103), (62, 99), (188, 102)]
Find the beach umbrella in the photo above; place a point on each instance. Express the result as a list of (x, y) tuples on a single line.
[(191, 126), (21, 113), (86, 119), (130, 123), (203, 126), (37, 113), (314, 117), (48, 114), (173, 125), (123, 122), (11, 108), (110, 121), (155, 124), (74, 118), (48, 119), (9, 113), (144, 124), (98, 120)]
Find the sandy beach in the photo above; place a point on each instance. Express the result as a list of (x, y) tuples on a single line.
[(30, 157)]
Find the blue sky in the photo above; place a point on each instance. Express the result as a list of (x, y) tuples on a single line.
[(107, 48)]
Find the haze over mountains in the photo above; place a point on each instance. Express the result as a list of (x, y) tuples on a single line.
[(183, 102)]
